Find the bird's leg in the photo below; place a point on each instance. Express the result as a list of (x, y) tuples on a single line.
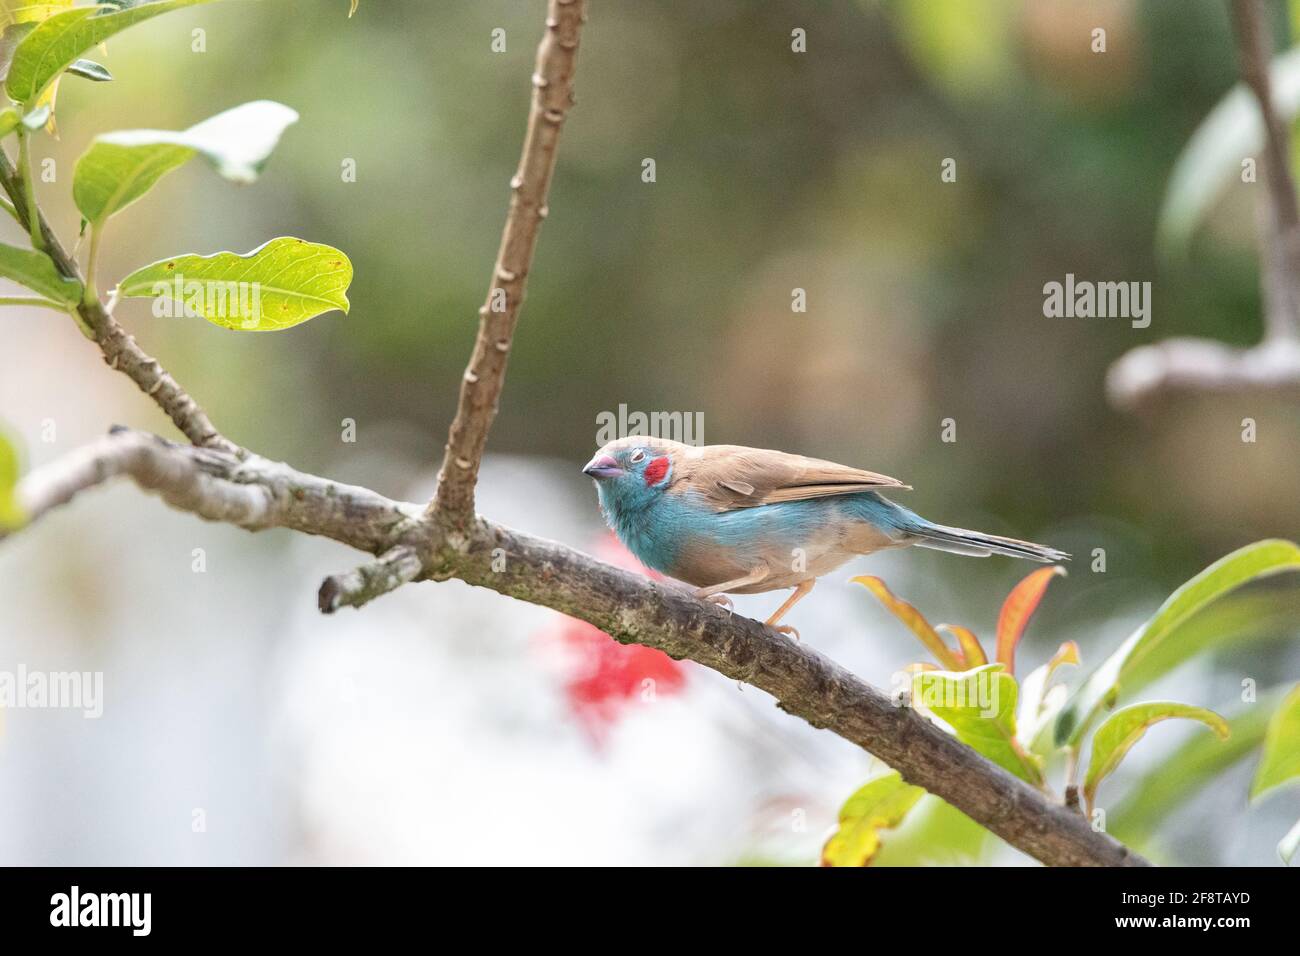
[(713, 593), (800, 592)]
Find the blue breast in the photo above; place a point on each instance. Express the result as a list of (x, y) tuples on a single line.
[(658, 529)]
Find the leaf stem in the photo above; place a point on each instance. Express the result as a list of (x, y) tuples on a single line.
[(91, 295), (33, 300), (29, 189)]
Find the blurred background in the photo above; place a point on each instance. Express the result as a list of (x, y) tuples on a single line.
[(447, 725)]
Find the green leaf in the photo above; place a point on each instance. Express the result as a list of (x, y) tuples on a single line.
[(1250, 563), (90, 70), (1124, 728), (11, 515), (879, 805), (980, 705), (29, 11), (37, 271), (283, 283), (1281, 760), (59, 41), (9, 120), (1188, 770), (1212, 158), (121, 167)]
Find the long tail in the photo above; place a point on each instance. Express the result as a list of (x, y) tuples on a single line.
[(980, 545)]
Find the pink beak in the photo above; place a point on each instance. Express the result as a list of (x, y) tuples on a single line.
[(602, 466)]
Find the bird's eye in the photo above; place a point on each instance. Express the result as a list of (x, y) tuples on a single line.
[(637, 456)]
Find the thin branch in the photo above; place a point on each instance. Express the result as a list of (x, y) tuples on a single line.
[(120, 350), (480, 388), (1280, 244), (1183, 366), (255, 493), (395, 567)]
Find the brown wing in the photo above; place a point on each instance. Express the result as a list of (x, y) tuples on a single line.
[(732, 476)]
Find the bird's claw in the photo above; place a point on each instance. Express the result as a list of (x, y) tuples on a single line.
[(787, 630), (722, 601)]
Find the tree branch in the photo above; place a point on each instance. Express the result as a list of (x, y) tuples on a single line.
[(120, 350), (1186, 365), (255, 493), (480, 387)]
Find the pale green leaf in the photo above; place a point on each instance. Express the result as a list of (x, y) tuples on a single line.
[(1212, 158), (60, 40), (11, 515), (37, 271), (1281, 760), (90, 70), (1250, 563), (980, 705), (283, 283), (879, 805), (9, 120), (1124, 728), (121, 167), (1188, 770)]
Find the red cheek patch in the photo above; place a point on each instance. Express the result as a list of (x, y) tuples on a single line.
[(655, 471)]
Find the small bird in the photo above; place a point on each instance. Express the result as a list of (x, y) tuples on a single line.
[(730, 519)]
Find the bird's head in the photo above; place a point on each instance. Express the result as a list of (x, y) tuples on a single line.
[(631, 473)]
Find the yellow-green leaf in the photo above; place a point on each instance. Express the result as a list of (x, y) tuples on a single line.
[(1246, 564), (37, 271), (914, 620), (11, 515), (980, 705), (121, 167), (29, 11), (879, 805), (1016, 611), (1124, 728), (1290, 843), (353, 8), (277, 286), (1281, 760), (59, 40)]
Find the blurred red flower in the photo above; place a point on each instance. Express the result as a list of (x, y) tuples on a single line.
[(603, 677)]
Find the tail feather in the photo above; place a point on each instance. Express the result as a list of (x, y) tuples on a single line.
[(980, 545)]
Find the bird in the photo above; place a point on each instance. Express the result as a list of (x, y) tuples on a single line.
[(727, 519)]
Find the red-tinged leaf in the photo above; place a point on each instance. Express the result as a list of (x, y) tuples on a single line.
[(1017, 609), (1067, 653), (915, 622), (972, 651)]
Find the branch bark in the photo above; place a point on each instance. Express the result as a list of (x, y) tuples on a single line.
[(480, 387), (255, 493)]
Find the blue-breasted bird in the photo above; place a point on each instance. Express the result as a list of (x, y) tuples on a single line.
[(730, 519)]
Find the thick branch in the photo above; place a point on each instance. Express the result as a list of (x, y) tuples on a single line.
[(480, 388), (120, 350), (255, 493)]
